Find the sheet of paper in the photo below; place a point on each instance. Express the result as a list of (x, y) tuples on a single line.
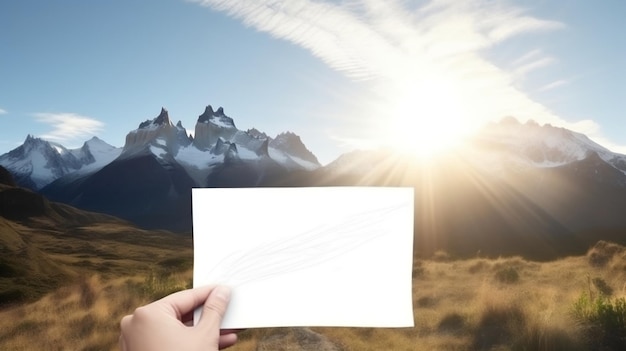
[(327, 256)]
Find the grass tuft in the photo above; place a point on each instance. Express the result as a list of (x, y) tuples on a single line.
[(603, 319), (508, 275)]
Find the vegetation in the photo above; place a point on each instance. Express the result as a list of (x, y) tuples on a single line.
[(507, 303)]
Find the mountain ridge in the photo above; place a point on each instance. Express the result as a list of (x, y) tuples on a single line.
[(37, 163), (529, 189)]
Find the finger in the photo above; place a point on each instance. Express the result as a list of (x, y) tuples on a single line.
[(230, 331), (184, 302), (227, 340), (123, 326), (122, 343), (215, 308)]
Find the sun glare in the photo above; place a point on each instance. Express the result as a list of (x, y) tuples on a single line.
[(427, 119)]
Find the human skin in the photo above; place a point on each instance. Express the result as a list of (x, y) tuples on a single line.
[(164, 324)]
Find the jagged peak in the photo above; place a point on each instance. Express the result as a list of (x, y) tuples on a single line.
[(232, 154), (207, 114), (292, 144), (216, 117), (162, 119), (288, 135), (255, 133), (179, 125), (30, 139)]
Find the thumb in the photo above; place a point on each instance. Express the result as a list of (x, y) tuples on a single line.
[(214, 309)]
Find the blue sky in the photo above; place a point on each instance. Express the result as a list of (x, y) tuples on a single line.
[(341, 74)]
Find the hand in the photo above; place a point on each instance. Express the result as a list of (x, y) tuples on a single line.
[(161, 324)]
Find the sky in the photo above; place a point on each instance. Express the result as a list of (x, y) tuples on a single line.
[(342, 74)]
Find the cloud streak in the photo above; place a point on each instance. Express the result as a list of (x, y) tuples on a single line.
[(403, 50), (3, 112), (68, 127)]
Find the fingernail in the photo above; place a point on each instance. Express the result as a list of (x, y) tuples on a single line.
[(222, 292)]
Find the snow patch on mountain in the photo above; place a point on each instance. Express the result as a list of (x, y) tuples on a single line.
[(216, 135), (37, 162), (510, 144), (216, 141), (101, 154)]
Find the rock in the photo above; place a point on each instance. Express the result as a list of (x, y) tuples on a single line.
[(296, 339)]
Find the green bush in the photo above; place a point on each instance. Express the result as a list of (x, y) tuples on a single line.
[(602, 318)]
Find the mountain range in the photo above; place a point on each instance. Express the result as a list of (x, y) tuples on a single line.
[(148, 181), (514, 188)]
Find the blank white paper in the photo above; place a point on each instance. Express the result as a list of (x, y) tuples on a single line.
[(326, 256)]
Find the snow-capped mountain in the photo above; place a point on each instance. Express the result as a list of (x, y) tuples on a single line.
[(501, 148), (516, 188), (37, 162), (512, 144), (150, 182), (217, 141)]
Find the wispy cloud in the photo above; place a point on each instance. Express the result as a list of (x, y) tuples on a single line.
[(529, 62), (68, 127), (405, 50), (553, 85), (2, 111)]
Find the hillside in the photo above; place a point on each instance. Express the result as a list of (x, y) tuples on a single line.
[(473, 304), (44, 245)]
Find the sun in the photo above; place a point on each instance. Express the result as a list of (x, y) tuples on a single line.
[(427, 118)]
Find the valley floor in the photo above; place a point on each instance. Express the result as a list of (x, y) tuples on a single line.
[(472, 304)]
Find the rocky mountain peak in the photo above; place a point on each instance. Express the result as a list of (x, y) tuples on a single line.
[(218, 117), (255, 133), (162, 119), (206, 115), (291, 143)]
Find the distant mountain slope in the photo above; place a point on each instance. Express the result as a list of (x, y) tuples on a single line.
[(515, 188), (150, 182), (44, 244), (538, 191), (510, 143)]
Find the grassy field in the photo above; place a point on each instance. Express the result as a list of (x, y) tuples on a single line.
[(470, 304)]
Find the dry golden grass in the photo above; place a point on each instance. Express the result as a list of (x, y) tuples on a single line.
[(85, 315), (459, 305), (463, 305)]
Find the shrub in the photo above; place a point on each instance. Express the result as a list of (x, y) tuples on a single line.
[(603, 319), (478, 266), (498, 325), (426, 301), (602, 252), (452, 323), (507, 275)]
